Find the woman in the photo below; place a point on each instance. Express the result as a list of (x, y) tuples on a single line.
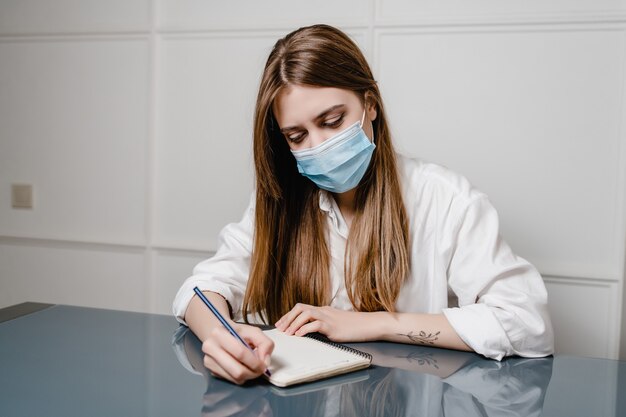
[(347, 238)]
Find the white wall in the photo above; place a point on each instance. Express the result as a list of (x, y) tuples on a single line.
[(132, 121)]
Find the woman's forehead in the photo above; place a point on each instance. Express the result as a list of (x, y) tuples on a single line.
[(296, 104)]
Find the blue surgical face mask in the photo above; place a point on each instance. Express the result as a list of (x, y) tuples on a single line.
[(339, 163)]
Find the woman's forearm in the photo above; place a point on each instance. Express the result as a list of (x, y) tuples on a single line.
[(352, 326), (420, 329), (200, 319)]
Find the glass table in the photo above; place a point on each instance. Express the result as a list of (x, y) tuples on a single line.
[(58, 360)]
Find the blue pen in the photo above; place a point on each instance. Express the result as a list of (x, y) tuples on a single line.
[(224, 322)]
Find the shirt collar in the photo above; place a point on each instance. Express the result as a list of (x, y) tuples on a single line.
[(329, 205), (326, 201)]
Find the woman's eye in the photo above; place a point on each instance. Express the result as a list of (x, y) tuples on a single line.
[(333, 121), (296, 138)]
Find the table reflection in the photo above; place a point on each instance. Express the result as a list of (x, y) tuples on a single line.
[(405, 380)]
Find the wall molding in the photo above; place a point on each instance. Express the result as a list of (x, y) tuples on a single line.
[(577, 280), (485, 18), (191, 35), (151, 171), (382, 30), (73, 37), (273, 30), (237, 34), (442, 23), (521, 20), (621, 221), (72, 244)]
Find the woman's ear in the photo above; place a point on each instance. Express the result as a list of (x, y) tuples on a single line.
[(370, 105)]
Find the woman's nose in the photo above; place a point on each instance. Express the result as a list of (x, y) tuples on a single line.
[(317, 138)]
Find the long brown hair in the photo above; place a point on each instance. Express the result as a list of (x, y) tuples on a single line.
[(290, 259)]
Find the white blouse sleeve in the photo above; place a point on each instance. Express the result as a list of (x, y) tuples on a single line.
[(502, 298), (226, 273)]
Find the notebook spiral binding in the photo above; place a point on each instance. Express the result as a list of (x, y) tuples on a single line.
[(323, 339)]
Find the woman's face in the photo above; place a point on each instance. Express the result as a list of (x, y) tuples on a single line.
[(307, 116)]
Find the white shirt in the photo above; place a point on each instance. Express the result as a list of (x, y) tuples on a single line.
[(460, 266)]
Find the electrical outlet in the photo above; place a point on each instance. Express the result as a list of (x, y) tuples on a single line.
[(22, 196)]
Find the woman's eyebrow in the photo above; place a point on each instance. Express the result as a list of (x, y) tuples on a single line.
[(318, 117), (330, 109)]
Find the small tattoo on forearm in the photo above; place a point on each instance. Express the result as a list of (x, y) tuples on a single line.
[(422, 337)]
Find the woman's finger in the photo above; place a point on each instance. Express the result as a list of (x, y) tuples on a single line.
[(237, 362), (303, 318), (236, 371), (286, 320), (311, 327), (242, 353), (263, 345)]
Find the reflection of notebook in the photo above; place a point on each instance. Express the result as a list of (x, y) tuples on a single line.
[(309, 358), (323, 385)]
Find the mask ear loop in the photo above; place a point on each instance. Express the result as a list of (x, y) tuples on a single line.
[(363, 120)]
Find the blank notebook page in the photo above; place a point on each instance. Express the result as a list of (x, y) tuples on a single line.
[(300, 359)]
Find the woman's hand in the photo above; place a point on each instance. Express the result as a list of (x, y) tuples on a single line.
[(337, 325), (228, 358)]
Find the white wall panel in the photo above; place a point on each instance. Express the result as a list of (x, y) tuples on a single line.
[(454, 10), (92, 275), (71, 16), (73, 122), (207, 89), (200, 14), (171, 268), (584, 316), (533, 119)]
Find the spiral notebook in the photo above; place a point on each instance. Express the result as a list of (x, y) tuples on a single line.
[(303, 359)]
